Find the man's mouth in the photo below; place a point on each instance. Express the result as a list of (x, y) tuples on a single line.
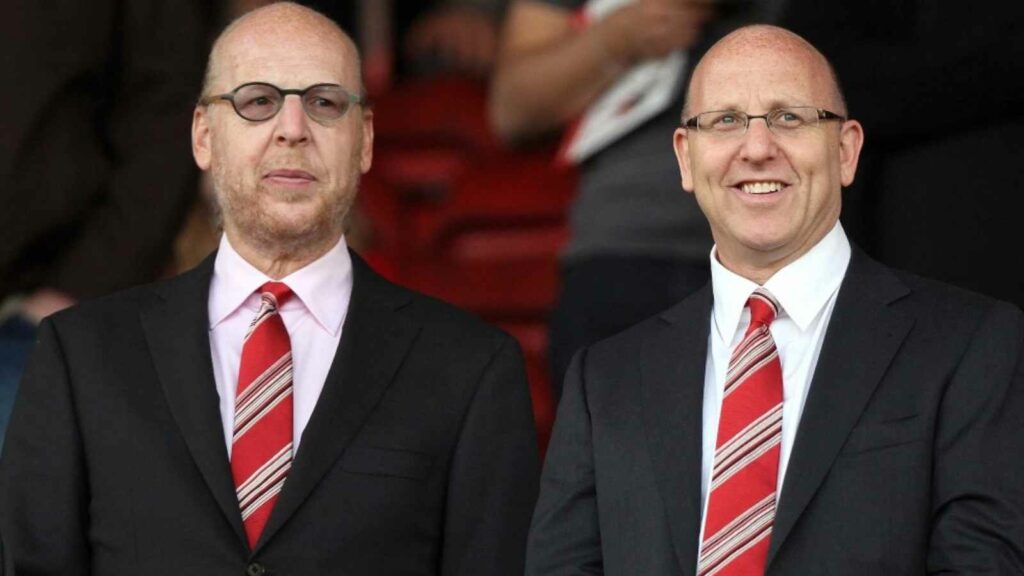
[(762, 186), (290, 176)]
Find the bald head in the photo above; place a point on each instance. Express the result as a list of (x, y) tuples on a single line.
[(279, 23), (752, 46)]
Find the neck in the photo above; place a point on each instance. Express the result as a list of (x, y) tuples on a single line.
[(278, 260)]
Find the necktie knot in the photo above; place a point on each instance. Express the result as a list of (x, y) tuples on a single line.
[(763, 307), (275, 294)]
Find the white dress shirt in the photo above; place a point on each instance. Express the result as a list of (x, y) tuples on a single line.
[(313, 316), (806, 290)]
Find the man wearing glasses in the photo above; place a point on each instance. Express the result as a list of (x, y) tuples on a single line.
[(810, 411), (281, 409)]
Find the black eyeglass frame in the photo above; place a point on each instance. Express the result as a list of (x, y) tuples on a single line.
[(350, 98), (822, 115)]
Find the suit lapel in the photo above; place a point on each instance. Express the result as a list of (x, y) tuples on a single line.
[(374, 341), (177, 332), (862, 337), (672, 391)]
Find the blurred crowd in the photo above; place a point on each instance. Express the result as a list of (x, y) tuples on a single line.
[(100, 191)]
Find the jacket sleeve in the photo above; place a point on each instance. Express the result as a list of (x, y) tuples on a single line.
[(493, 476), (565, 538), (978, 486)]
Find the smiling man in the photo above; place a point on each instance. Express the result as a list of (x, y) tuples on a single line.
[(810, 411), (281, 409)]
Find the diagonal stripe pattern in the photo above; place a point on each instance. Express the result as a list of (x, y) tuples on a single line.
[(741, 508), (261, 449)]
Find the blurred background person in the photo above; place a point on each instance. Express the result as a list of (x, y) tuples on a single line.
[(95, 169)]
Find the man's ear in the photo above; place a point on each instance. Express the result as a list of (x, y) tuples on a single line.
[(681, 144), (851, 140), (366, 154), (201, 137)]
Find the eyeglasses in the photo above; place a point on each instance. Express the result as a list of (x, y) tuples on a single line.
[(259, 101), (782, 121)]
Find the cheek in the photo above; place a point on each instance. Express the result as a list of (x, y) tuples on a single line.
[(241, 148), (240, 166), (713, 164), (823, 175)]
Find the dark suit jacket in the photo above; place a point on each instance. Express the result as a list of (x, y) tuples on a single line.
[(420, 456), (907, 458)]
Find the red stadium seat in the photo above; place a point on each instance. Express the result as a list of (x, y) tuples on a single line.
[(437, 111)]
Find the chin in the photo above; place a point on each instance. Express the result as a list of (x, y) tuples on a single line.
[(290, 231), (765, 243), (303, 226)]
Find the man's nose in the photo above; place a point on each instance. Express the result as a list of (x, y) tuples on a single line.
[(759, 141), (292, 123)]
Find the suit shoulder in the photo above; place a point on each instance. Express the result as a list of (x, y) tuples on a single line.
[(119, 311), (949, 300), (629, 339), (693, 308), (629, 343), (104, 310), (961, 316), (450, 322)]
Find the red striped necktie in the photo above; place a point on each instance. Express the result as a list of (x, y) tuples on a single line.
[(741, 508), (261, 448)]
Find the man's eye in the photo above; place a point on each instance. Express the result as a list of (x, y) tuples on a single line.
[(725, 121), (790, 119), (324, 103), (257, 102)]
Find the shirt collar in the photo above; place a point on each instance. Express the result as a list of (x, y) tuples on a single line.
[(323, 286), (803, 287)]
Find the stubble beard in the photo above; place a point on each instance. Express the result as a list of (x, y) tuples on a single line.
[(272, 237)]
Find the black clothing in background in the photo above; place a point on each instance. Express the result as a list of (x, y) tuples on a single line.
[(96, 170)]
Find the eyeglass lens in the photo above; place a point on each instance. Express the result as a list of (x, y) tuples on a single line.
[(258, 102)]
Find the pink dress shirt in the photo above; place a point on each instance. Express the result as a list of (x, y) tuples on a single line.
[(314, 318)]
